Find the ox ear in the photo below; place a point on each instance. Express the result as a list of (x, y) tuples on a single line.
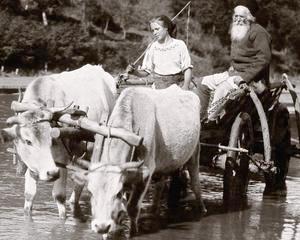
[(8, 134), (136, 175), (78, 175)]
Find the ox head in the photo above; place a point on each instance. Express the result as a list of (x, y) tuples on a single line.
[(108, 185), (109, 181), (31, 133)]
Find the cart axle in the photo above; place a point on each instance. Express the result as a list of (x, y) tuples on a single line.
[(225, 148)]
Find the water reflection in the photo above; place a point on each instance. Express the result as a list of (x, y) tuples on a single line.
[(261, 218)]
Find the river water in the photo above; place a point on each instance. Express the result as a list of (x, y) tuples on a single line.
[(263, 218)]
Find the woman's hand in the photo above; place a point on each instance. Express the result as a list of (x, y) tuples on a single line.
[(130, 68), (123, 77)]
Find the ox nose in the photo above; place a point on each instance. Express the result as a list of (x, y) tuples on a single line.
[(101, 228), (53, 174)]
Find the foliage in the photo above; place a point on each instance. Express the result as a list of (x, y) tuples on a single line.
[(114, 32)]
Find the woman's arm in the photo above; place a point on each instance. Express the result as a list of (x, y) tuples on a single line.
[(139, 73), (187, 78), (130, 70)]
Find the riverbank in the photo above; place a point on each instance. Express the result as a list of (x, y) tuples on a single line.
[(11, 84)]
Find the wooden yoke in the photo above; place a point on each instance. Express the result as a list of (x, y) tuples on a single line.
[(70, 132), (85, 123), (22, 106), (99, 139)]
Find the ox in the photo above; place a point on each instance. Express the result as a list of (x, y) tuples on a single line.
[(89, 86), (168, 121)]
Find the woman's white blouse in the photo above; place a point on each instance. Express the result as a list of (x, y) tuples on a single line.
[(167, 59)]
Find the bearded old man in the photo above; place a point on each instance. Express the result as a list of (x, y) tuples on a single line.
[(250, 57)]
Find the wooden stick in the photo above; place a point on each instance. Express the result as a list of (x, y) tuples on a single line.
[(70, 132), (92, 126), (186, 5)]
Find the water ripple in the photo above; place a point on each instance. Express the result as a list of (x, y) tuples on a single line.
[(261, 219)]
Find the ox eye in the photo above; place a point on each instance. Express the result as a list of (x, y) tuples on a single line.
[(119, 195), (28, 142)]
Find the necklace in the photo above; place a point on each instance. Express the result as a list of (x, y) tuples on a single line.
[(166, 42)]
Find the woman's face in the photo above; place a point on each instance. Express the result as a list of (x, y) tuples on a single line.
[(159, 31)]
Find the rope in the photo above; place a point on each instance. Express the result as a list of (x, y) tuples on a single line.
[(108, 142), (133, 149), (186, 5)]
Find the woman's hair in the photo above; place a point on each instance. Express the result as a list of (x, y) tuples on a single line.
[(167, 23)]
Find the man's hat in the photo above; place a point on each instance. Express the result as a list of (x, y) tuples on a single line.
[(250, 4)]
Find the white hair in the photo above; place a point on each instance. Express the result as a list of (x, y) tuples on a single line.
[(238, 32), (241, 21), (242, 9)]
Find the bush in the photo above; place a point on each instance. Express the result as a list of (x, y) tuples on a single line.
[(97, 35)]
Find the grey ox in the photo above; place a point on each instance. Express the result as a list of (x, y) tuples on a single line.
[(168, 121), (91, 87)]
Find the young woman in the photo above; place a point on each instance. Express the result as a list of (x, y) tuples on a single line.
[(167, 59)]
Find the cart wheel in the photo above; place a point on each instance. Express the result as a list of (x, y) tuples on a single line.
[(281, 143), (236, 176)]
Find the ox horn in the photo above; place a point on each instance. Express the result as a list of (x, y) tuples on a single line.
[(59, 109), (14, 120), (25, 106), (20, 96), (8, 134), (93, 126)]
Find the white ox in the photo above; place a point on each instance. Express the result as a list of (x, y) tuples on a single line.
[(168, 121), (89, 86)]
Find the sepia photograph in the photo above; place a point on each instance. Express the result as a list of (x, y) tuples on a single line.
[(139, 119)]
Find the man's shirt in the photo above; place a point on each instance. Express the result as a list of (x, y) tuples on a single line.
[(251, 56)]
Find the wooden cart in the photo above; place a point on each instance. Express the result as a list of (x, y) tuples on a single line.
[(251, 129)]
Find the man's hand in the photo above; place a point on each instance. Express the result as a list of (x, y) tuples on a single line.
[(238, 80), (243, 85)]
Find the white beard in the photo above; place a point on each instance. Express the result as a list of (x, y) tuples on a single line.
[(238, 32)]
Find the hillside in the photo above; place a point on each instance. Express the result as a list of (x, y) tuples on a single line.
[(65, 34)]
